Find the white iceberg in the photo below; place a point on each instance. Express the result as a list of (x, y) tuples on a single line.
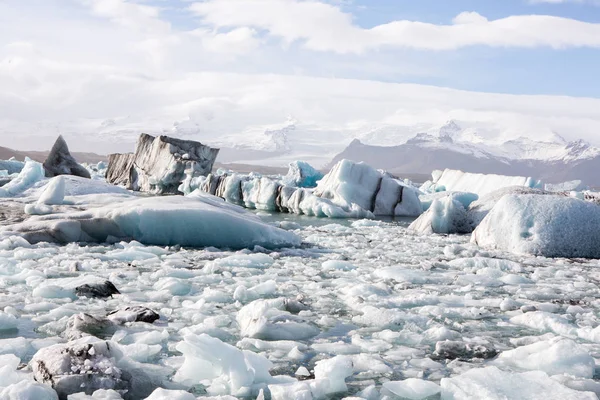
[(194, 221), (481, 184), (31, 173), (445, 216), (542, 225), (302, 174)]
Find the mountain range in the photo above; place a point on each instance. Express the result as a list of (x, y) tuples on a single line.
[(553, 160)]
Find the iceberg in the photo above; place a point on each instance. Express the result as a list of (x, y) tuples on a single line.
[(61, 162), (160, 164), (31, 173), (481, 184), (302, 174), (195, 221), (11, 166), (542, 225), (445, 216), (349, 190), (481, 207)]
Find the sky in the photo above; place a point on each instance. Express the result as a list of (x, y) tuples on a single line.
[(102, 71)]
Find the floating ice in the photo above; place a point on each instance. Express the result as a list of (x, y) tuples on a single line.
[(445, 216), (549, 226), (555, 356), (349, 184), (302, 174), (226, 369), (494, 384), (412, 389), (270, 320), (481, 184), (32, 172), (465, 198), (196, 221)]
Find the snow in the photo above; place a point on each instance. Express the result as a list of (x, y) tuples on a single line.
[(492, 383), (542, 225), (481, 184)]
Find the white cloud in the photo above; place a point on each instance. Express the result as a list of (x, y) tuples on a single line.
[(324, 27), (102, 71)]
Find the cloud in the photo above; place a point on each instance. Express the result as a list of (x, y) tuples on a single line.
[(325, 27)]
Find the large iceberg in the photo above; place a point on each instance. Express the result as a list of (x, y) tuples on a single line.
[(456, 180), (542, 225), (160, 164), (349, 190), (196, 221)]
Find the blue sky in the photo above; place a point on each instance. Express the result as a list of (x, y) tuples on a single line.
[(540, 70), (97, 70)]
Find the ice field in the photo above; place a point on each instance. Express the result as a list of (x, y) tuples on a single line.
[(261, 304)]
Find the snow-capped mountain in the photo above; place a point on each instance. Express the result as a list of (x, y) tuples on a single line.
[(450, 146)]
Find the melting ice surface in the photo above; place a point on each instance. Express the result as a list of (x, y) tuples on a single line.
[(363, 308)]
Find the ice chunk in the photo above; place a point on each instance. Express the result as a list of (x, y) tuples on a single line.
[(88, 363), (32, 172), (335, 370), (196, 221), (54, 193), (269, 319), (101, 394), (570, 186), (160, 164), (7, 321), (481, 207), (11, 166), (164, 394), (26, 390), (301, 174), (549, 226), (61, 162), (481, 184), (412, 389), (349, 183), (445, 216), (555, 356), (546, 322), (465, 198), (493, 384), (228, 369)]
